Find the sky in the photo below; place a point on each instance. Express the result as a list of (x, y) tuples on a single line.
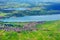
[(35, 0), (51, 0)]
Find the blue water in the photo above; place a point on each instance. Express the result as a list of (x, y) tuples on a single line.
[(15, 9), (53, 7), (33, 18)]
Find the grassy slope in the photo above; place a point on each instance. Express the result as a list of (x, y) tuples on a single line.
[(52, 33)]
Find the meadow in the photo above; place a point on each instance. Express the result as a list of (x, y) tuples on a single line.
[(47, 31)]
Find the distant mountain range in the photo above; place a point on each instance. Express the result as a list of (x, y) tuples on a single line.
[(29, 3), (25, 1), (17, 8)]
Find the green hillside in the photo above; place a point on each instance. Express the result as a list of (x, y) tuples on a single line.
[(47, 31)]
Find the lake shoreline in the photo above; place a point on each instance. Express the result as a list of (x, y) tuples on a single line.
[(32, 18)]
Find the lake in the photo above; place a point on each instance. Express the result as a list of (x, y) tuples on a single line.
[(16, 9), (32, 18)]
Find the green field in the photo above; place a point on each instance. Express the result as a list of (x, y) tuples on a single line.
[(47, 31)]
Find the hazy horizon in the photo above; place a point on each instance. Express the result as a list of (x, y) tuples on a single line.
[(34, 0)]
